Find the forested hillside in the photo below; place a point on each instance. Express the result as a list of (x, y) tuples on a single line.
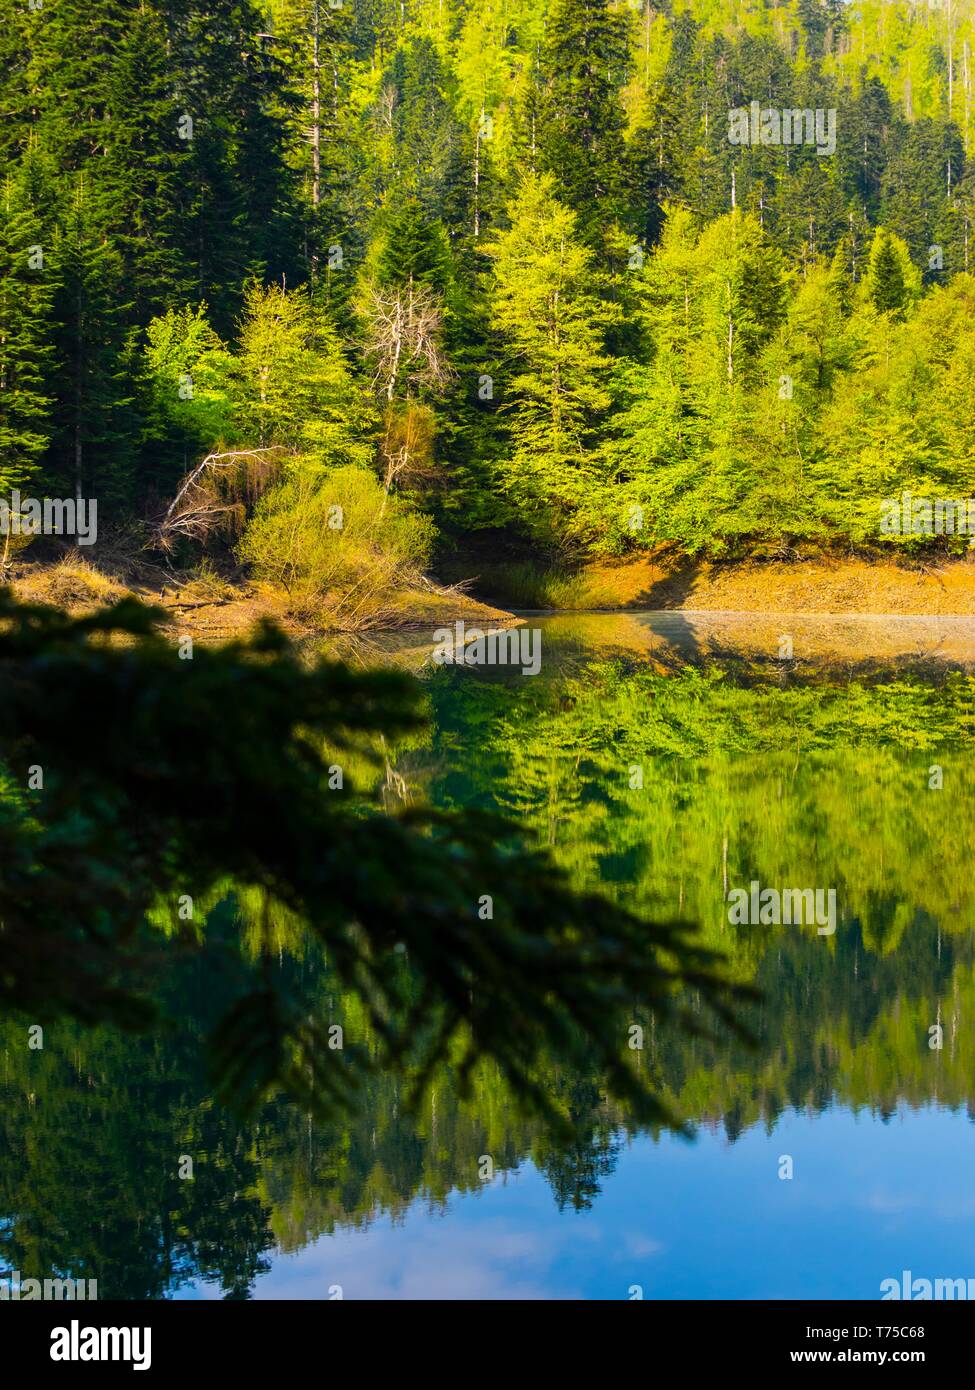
[(423, 268)]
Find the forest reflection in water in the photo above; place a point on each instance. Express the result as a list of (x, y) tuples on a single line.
[(666, 758)]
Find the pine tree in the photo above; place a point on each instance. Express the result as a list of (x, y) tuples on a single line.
[(864, 131), (413, 248), (585, 61), (137, 190), (74, 49), (917, 183), (18, 26), (314, 42), (241, 218), (891, 281), (428, 151), (27, 283), (95, 427)]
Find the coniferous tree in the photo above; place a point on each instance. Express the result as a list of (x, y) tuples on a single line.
[(888, 278), (17, 31), (315, 41), (917, 184), (74, 48), (414, 248), (138, 188), (27, 283), (585, 60), (96, 428), (242, 216)]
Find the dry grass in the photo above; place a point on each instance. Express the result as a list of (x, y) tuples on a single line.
[(205, 584), (71, 583)]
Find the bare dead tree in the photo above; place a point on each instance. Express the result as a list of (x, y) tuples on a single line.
[(403, 332), (214, 495), (384, 108), (403, 339)]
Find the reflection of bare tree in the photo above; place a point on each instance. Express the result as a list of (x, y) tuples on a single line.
[(395, 786)]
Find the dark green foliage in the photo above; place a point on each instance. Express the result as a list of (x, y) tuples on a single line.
[(414, 248), (26, 354), (138, 185), (888, 291), (93, 420), (188, 773), (917, 184), (585, 61)]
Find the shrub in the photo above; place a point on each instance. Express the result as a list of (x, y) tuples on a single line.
[(336, 541)]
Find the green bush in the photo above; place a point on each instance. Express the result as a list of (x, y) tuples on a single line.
[(337, 542)]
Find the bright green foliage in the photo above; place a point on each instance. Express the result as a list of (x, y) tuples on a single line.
[(696, 421), (336, 533), (294, 387), (900, 422), (189, 372), (622, 331), (548, 316)]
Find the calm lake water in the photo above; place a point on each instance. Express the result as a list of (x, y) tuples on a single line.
[(668, 759)]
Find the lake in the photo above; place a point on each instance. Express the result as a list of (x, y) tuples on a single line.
[(667, 759)]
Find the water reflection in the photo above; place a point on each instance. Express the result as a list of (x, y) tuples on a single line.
[(817, 771)]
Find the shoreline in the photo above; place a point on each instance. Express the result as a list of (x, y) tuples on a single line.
[(757, 591), (833, 587), (750, 613)]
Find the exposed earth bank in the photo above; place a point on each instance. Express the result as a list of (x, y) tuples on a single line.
[(217, 610), (822, 585)]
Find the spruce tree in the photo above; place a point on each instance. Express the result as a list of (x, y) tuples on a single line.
[(891, 279), (586, 61), (414, 248), (137, 190), (74, 48), (18, 25), (242, 218), (314, 41), (27, 281), (96, 430)]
